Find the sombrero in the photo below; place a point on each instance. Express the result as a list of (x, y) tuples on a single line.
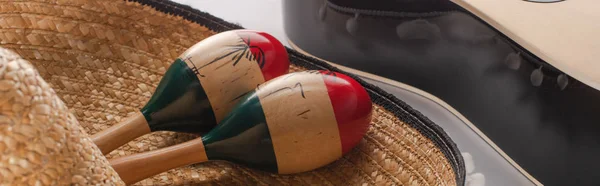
[(71, 68)]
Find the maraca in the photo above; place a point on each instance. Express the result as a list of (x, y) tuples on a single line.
[(202, 86), (294, 123)]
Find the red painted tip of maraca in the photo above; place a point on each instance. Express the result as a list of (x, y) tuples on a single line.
[(351, 105), (270, 54)]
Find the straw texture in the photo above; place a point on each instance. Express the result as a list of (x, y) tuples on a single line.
[(41, 142), (105, 58)]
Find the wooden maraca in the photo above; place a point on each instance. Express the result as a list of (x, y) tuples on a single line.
[(202, 85), (294, 123)]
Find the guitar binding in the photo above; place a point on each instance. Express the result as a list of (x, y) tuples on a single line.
[(549, 72)]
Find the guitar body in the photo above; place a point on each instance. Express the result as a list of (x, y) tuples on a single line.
[(525, 73)]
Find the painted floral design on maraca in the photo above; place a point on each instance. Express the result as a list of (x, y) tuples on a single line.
[(250, 46), (202, 85), (320, 114), (298, 85), (226, 66), (291, 124), (243, 48)]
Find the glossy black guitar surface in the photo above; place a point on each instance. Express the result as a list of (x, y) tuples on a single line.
[(545, 120)]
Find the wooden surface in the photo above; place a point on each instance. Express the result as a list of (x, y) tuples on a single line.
[(121, 133), (301, 122), (223, 80), (137, 167), (564, 34)]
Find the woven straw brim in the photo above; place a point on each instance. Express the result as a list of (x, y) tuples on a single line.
[(41, 142), (105, 58)]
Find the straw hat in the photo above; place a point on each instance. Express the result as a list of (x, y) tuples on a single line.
[(93, 62)]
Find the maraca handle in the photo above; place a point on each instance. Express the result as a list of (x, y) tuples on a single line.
[(137, 167), (121, 133)]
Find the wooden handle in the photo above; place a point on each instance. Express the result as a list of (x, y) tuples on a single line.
[(121, 133), (137, 167)]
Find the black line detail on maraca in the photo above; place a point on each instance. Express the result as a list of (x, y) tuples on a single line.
[(290, 75), (179, 102), (194, 68), (240, 96), (330, 73), (398, 107), (311, 72), (289, 88), (243, 49), (243, 94), (302, 114)]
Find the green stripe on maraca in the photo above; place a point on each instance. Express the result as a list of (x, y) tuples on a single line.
[(202, 86), (213, 72), (243, 137), (288, 125), (179, 103), (273, 126)]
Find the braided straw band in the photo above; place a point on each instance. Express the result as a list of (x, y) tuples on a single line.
[(105, 58)]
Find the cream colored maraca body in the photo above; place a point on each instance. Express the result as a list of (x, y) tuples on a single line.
[(288, 125), (202, 86)]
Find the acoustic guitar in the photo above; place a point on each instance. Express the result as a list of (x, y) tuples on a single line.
[(526, 73)]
